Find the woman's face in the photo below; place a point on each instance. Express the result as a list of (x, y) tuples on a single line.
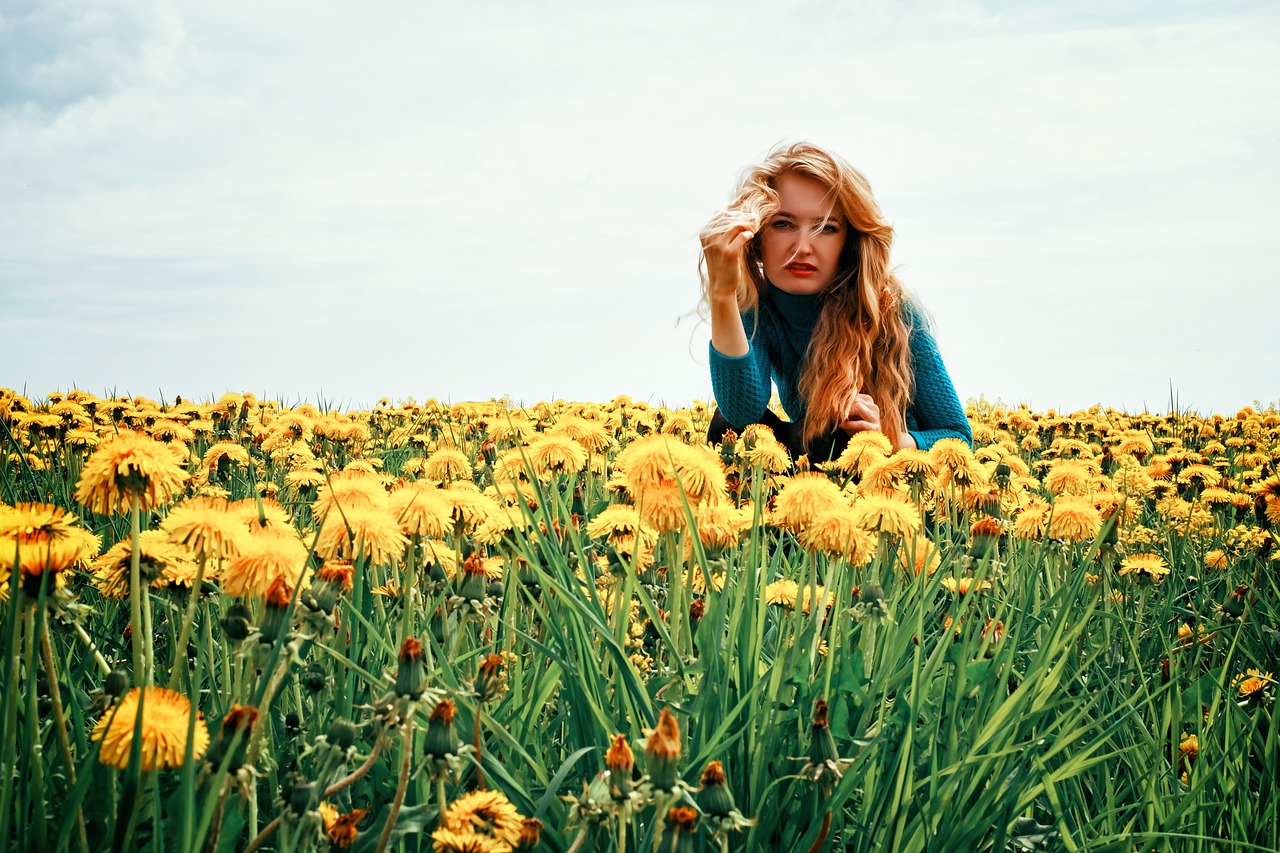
[(800, 245)]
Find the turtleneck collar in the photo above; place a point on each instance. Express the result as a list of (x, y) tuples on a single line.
[(797, 310)]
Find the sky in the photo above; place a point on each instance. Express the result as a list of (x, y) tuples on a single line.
[(339, 202)]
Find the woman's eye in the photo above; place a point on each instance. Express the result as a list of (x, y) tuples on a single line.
[(830, 228), (781, 223)]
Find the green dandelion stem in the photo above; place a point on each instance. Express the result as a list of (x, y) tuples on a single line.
[(401, 786), (35, 765), (578, 840), (410, 581), (184, 635), (60, 725), (10, 719), (93, 649), (440, 796), (135, 593)]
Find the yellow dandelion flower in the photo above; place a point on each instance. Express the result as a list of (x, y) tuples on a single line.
[(228, 450), (914, 465), (420, 508), (953, 454), (158, 558), (445, 840), (887, 513), (782, 592), (802, 497), (661, 506), (1075, 519), (206, 526), (43, 538), (556, 454), (267, 516), (593, 435), (446, 464), (964, 586), (1151, 565), (468, 507), (919, 554), (837, 532), (1032, 521), (165, 715), (340, 828), (1069, 477), (1252, 684), (130, 464), (615, 521), (350, 489), (864, 449), (766, 451), (263, 559), (721, 525), (487, 813), (371, 532)]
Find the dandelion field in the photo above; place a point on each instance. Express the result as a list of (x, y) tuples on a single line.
[(242, 625)]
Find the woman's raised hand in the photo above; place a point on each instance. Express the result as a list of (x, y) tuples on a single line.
[(723, 252)]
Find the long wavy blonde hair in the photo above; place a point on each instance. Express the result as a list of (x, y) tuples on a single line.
[(860, 342)]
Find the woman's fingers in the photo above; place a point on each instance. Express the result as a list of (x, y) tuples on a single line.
[(851, 426)]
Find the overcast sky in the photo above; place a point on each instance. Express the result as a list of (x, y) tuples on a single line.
[(334, 201)]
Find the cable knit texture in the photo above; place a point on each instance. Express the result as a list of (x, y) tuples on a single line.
[(776, 352)]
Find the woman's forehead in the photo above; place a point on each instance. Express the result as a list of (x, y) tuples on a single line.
[(805, 197)]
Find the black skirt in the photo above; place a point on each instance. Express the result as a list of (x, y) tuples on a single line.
[(822, 449)]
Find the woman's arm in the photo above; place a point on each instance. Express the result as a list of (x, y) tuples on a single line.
[(740, 375), (935, 406), (741, 384)]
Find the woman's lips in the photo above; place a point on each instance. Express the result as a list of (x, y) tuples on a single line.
[(803, 270)]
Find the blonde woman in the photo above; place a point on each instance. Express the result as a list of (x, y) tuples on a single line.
[(796, 277)]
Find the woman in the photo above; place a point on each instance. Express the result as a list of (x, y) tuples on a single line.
[(795, 273)]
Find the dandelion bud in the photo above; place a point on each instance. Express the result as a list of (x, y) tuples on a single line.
[(236, 622), (233, 738), (342, 733), (728, 450), (441, 742), (530, 834), (313, 678), (411, 676), (697, 610), (715, 799), (275, 619), (620, 759), (332, 580), (984, 536), (823, 747), (116, 684), (678, 833), (662, 752), (490, 683), (474, 580), (1235, 602), (301, 797)]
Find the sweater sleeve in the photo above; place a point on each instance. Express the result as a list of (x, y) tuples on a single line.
[(935, 411), (741, 384)]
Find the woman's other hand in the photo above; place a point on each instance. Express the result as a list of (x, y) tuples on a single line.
[(866, 415)]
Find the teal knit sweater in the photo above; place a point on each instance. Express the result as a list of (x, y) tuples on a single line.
[(742, 385)]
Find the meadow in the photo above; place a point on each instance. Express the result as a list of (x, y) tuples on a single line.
[(245, 625)]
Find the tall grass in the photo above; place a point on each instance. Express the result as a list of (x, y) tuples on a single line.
[(1052, 706)]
